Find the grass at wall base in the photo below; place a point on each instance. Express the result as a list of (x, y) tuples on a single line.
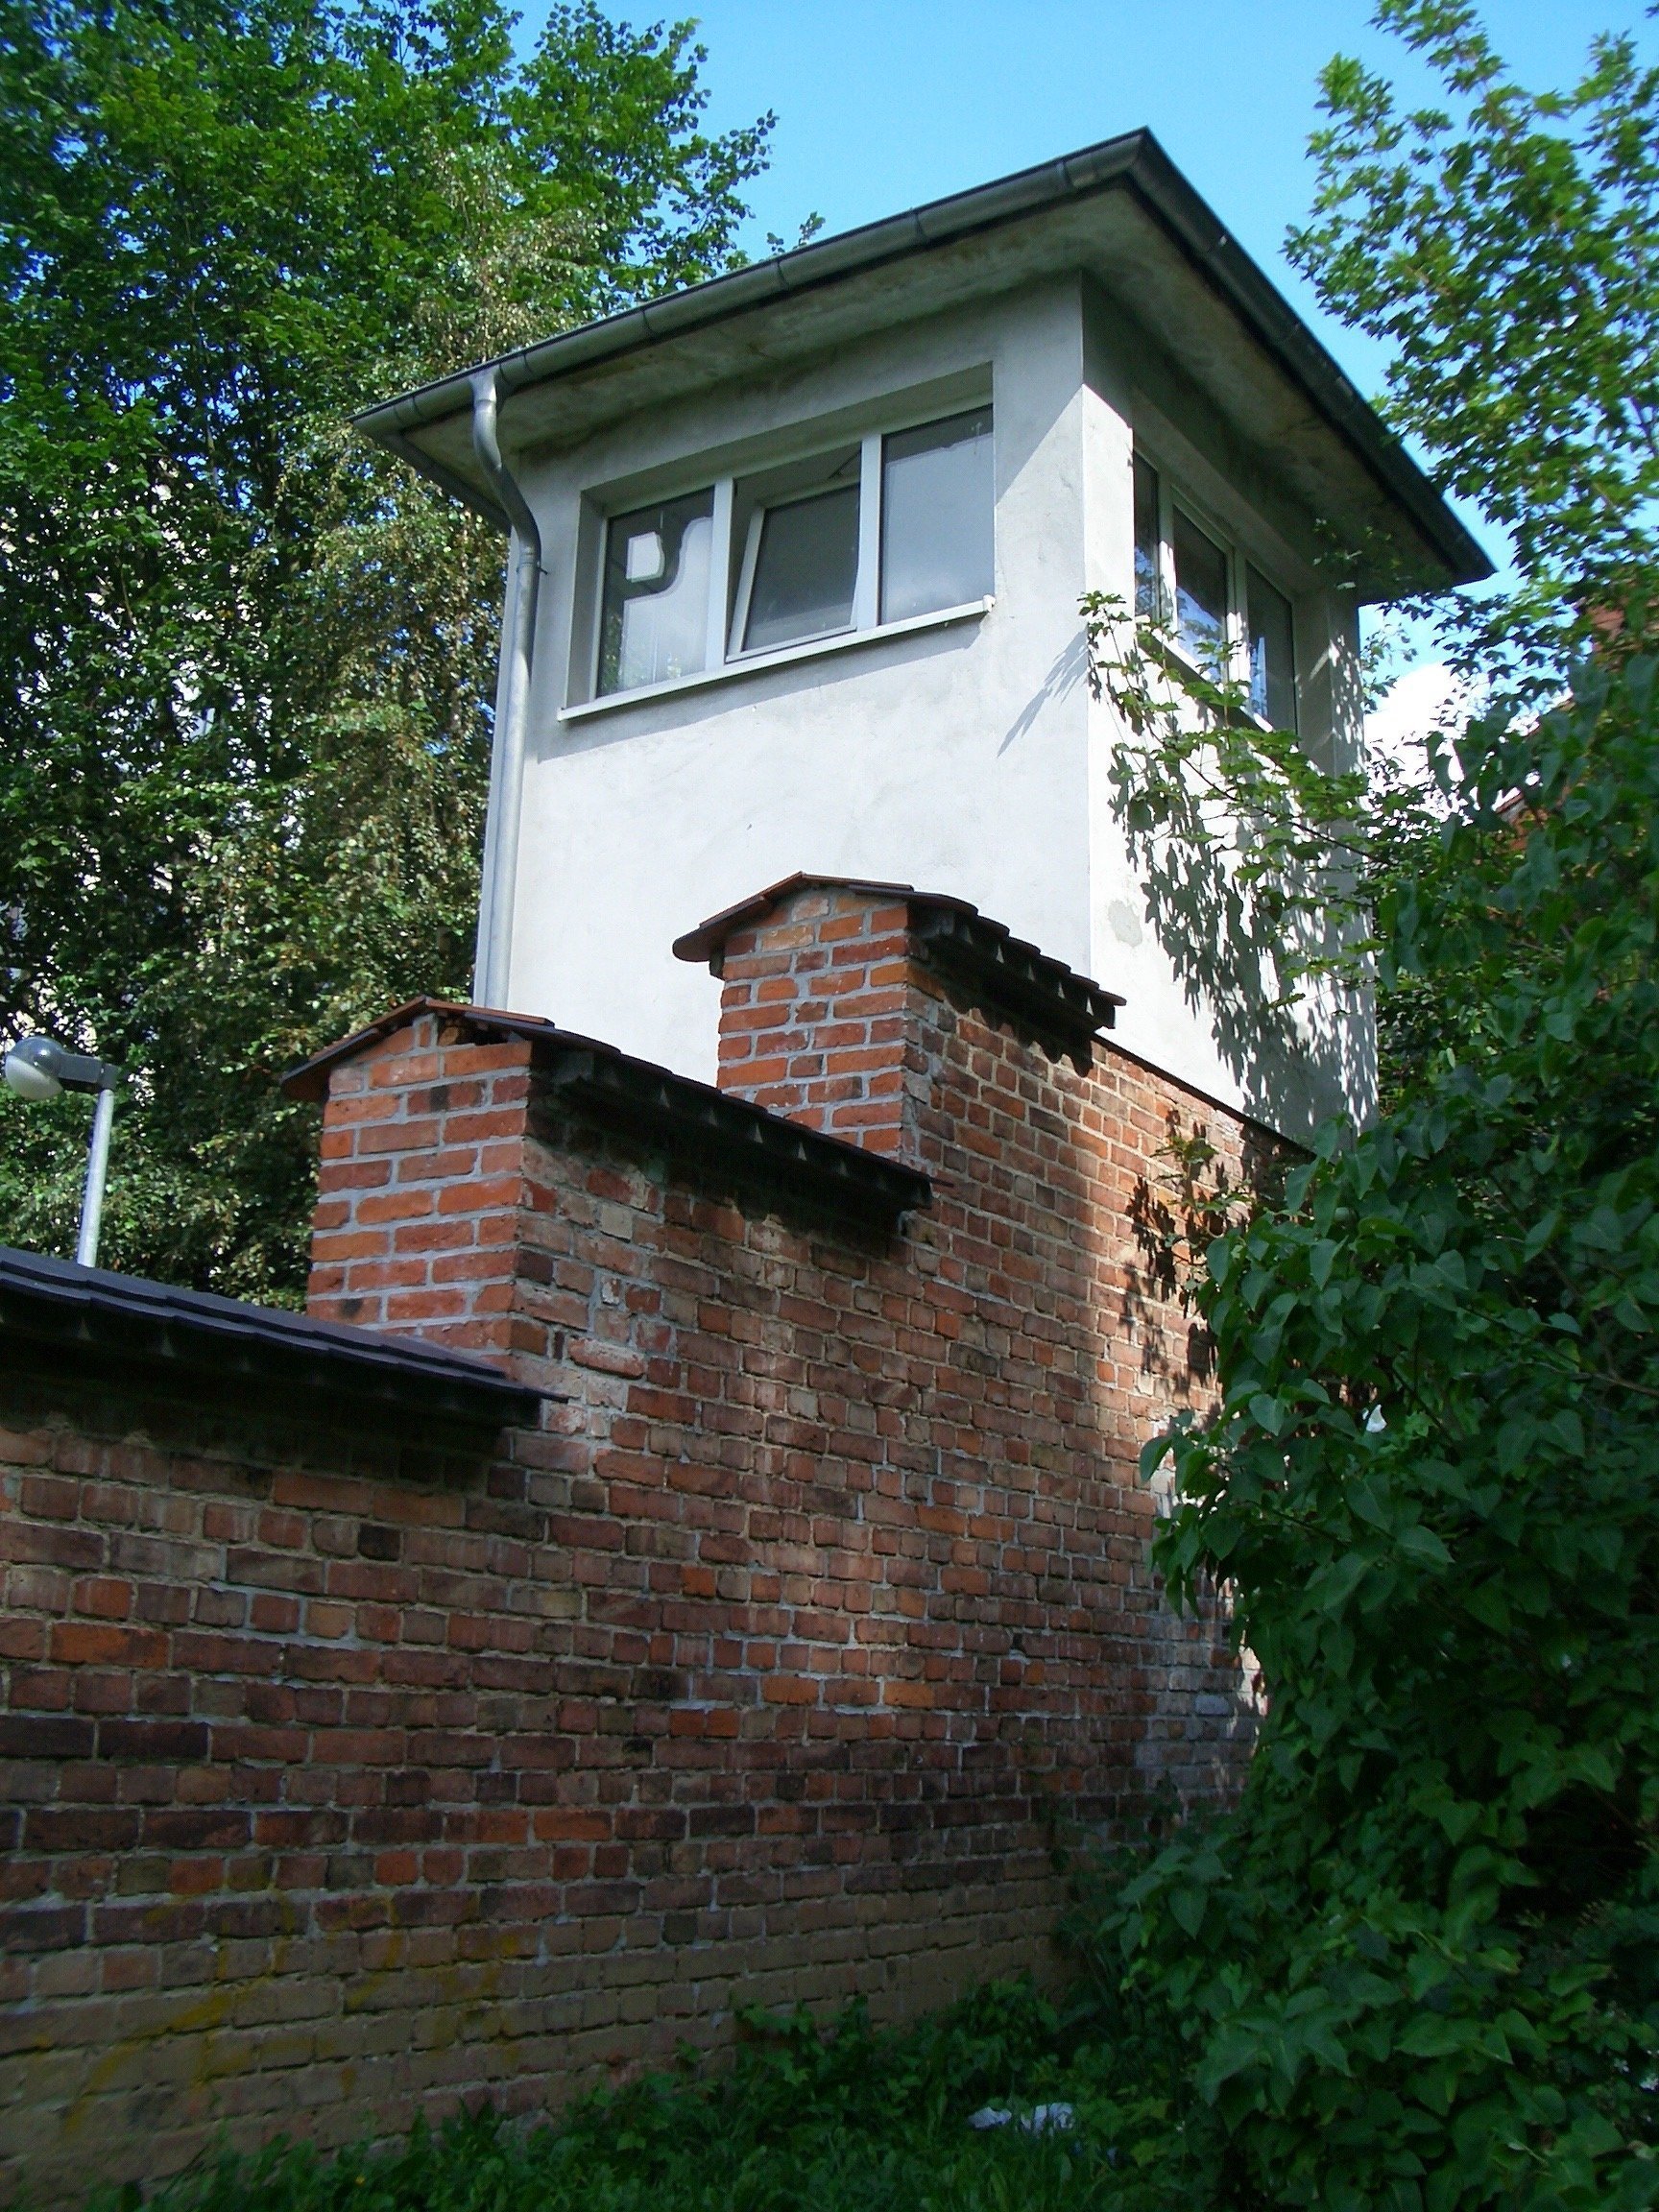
[(803, 2121)]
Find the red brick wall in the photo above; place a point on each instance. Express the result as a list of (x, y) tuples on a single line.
[(813, 1016), (422, 1194), (349, 1776)]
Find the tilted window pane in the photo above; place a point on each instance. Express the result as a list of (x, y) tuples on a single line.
[(1149, 586), (654, 622), (805, 566), (936, 506), (1201, 593), (1272, 653)]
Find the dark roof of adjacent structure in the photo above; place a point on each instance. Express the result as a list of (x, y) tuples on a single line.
[(683, 1115), (1001, 972), (63, 1307), (1120, 210)]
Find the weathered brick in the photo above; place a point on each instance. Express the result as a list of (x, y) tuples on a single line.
[(82, 1644)]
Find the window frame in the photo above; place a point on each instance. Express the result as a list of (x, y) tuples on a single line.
[(600, 553), (731, 568), (742, 598), (1239, 559)]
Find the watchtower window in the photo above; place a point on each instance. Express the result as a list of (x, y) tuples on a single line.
[(892, 527), (1210, 602), (936, 515), (655, 621)]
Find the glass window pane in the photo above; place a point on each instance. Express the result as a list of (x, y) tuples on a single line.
[(1272, 653), (1148, 589), (936, 504), (1201, 593), (805, 566), (654, 622)]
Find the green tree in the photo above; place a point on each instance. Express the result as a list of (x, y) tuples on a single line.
[(244, 730), (1505, 246), (1419, 1966)]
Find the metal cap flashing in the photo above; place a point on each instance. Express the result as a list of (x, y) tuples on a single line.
[(694, 1120), (1005, 972), (59, 1305)]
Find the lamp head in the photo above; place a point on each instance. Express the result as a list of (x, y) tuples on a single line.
[(31, 1068), (41, 1067)]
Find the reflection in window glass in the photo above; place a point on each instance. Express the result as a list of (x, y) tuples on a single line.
[(936, 498), (654, 622), (1272, 653), (1200, 592), (805, 566), (1148, 587)]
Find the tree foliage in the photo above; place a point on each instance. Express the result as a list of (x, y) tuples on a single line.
[(1419, 1966), (1505, 246), (244, 735)]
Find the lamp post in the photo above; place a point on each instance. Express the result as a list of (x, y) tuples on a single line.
[(40, 1068)]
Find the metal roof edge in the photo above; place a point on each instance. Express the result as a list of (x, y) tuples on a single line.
[(803, 269), (1017, 977), (309, 1079), (1133, 159), (703, 942), (59, 1303)]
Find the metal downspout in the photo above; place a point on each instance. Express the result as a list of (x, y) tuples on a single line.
[(489, 974)]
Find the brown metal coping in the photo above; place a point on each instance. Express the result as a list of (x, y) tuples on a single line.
[(66, 1308), (1003, 973), (674, 1111)]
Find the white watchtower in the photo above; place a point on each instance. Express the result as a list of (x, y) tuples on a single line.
[(799, 557)]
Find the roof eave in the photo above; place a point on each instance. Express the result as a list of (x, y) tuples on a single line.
[(1134, 161), (803, 268), (1171, 199)]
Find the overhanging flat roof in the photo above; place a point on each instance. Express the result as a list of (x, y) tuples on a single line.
[(1120, 212)]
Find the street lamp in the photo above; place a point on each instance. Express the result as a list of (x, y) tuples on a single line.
[(38, 1068)]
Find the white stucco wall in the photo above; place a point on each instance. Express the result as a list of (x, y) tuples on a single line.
[(967, 759), (1198, 991)]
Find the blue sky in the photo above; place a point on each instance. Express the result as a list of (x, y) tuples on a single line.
[(882, 103)]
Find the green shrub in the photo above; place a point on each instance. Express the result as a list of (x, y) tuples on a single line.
[(1420, 1967)]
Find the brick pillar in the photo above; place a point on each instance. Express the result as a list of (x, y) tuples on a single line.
[(818, 1013), (424, 1182)]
